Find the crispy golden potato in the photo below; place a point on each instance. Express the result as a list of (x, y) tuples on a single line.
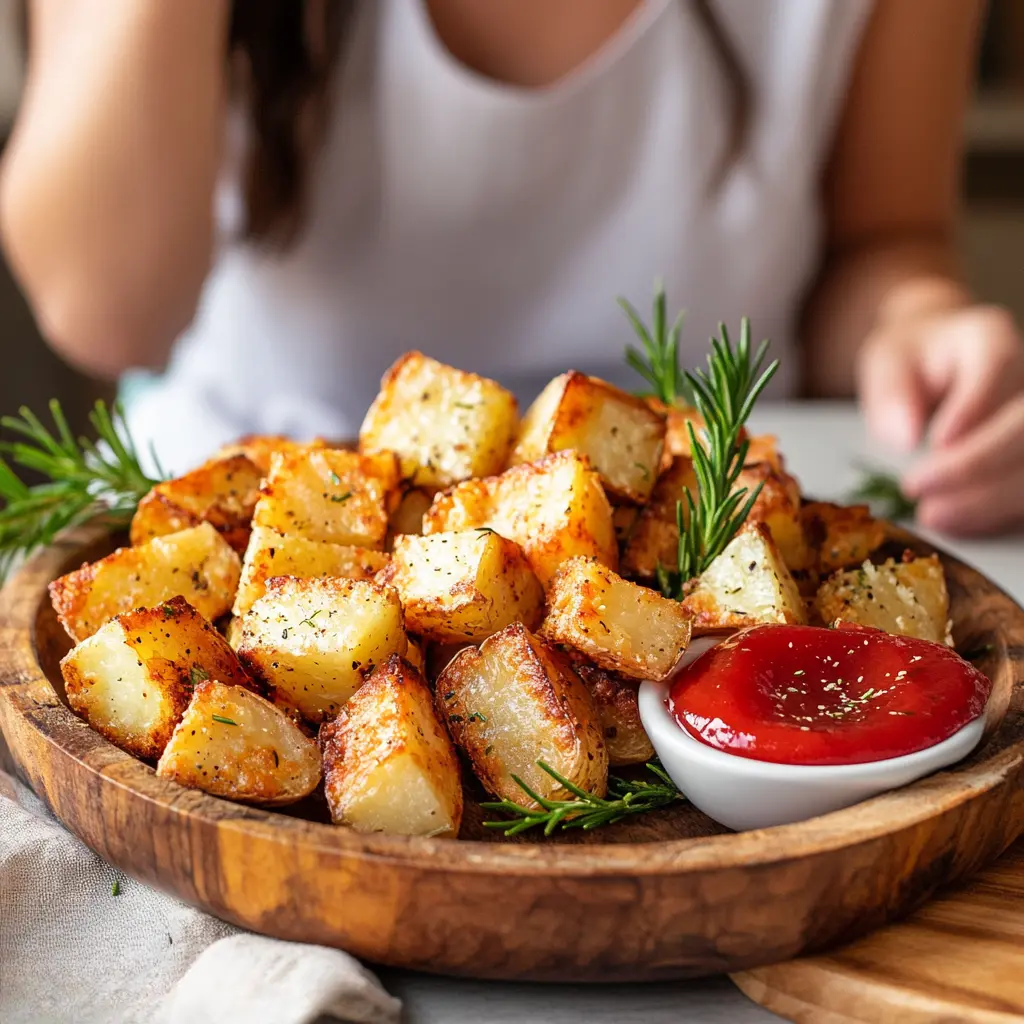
[(196, 563), (748, 584), (553, 509), (619, 625), (313, 641), (272, 554), (412, 507), (778, 507), (463, 586), (908, 598), (446, 425), (415, 654), (515, 701), (259, 449), (233, 632), (234, 744), (329, 495), (133, 678), (620, 434), (840, 536), (654, 539), (389, 765), (222, 492), (677, 436), (615, 698)]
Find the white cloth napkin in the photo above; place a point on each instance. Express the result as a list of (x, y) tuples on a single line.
[(80, 942)]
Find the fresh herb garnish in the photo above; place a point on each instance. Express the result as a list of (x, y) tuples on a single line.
[(85, 478), (587, 811), (115, 889), (223, 720), (309, 621), (882, 492), (658, 361), (477, 716), (341, 497), (197, 674)]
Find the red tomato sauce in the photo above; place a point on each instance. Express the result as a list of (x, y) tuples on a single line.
[(807, 695)]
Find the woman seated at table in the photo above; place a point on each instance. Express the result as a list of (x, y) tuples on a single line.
[(279, 197)]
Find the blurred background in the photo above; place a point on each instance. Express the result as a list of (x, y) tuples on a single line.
[(993, 224)]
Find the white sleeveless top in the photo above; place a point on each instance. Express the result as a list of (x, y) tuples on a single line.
[(493, 226)]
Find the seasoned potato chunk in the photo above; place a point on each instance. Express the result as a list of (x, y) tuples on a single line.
[(463, 586), (615, 699), (654, 539), (259, 449), (133, 678), (233, 743), (620, 434), (553, 509), (748, 584), (196, 563), (222, 492), (840, 536), (909, 598), (313, 641), (446, 425), (778, 507), (411, 508), (272, 554), (621, 626), (329, 495), (515, 701), (389, 765)]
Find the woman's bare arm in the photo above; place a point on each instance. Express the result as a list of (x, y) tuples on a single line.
[(106, 188)]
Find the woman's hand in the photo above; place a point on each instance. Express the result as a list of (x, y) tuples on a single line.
[(956, 379)]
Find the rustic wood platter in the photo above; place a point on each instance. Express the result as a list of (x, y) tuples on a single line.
[(671, 895)]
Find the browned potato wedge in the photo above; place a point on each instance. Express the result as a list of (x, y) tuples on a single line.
[(553, 509), (196, 563), (259, 449), (841, 537), (329, 495), (272, 554), (654, 539), (619, 625), (515, 701), (615, 699), (412, 507), (778, 507), (234, 744), (415, 654), (446, 425), (463, 586), (313, 641), (909, 598), (748, 584), (132, 679), (389, 765), (620, 434), (222, 492), (677, 436)]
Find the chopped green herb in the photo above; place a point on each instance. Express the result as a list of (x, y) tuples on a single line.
[(309, 621), (197, 674), (115, 889), (335, 479), (338, 498), (223, 720), (643, 469), (477, 716)]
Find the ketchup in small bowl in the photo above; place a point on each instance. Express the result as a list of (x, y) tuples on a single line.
[(804, 695)]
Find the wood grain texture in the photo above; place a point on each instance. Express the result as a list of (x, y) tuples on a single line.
[(670, 895), (956, 959)]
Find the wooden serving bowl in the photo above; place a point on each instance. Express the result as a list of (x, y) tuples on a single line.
[(668, 895)]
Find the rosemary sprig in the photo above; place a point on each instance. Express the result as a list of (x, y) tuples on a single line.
[(85, 478), (658, 360), (587, 811), (882, 491)]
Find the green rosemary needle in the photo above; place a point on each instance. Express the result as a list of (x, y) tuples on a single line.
[(883, 493), (586, 811), (657, 361), (84, 478)]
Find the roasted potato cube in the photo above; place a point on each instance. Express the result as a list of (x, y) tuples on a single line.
[(553, 509), (446, 425), (222, 492), (412, 507), (840, 536), (677, 435), (620, 434), (748, 584), (259, 449), (619, 625), (196, 563), (778, 507), (329, 495), (615, 698), (313, 641), (909, 598), (133, 678), (463, 586), (272, 554), (233, 743), (654, 539), (389, 765), (515, 701)]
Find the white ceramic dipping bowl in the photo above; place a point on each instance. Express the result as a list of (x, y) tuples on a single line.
[(743, 794)]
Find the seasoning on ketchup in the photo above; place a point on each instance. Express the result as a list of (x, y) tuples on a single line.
[(807, 695)]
